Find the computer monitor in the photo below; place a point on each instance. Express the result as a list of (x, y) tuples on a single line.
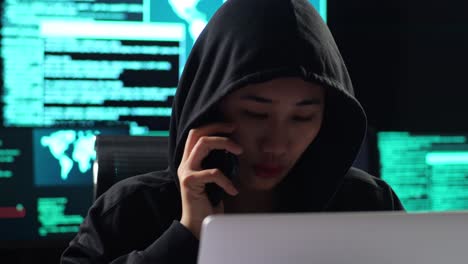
[(83, 63), (46, 182), (69, 61), (428, 171)]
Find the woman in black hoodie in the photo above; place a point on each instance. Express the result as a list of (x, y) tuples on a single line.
[(264, 81)]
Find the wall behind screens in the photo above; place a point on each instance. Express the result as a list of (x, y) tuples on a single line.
[(70, 69), (116, 60), (428, 171)]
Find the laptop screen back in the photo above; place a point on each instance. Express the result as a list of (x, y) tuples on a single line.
[(359, 238)]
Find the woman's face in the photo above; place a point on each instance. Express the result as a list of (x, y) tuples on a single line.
[(276, 121)]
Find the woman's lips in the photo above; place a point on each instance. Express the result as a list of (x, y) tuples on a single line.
[(267, 170)]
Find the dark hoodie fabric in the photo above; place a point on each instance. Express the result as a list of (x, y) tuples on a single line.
[(246, 41)]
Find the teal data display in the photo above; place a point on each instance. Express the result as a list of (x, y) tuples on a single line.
[(66, 153), (117, 60), (46, 182), (429, 172)]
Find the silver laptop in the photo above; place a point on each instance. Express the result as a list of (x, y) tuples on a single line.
[(335, 238)]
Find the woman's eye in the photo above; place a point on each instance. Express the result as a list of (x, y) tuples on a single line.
[(254, 115)]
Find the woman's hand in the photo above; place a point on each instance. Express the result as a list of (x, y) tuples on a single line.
[(192, 178)]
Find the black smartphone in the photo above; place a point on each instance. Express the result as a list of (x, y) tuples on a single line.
[(225, 161)]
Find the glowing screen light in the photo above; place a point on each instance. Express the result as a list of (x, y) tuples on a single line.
[(70, 61), (46, 182), (52, 217), (429, 172)]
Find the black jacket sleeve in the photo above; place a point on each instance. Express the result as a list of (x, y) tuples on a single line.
[(133, 225), (176, 245)]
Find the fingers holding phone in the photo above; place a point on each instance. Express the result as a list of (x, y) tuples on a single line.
[(208, 160)]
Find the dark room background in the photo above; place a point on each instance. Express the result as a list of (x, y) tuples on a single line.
[(407, 60), (408, 63)]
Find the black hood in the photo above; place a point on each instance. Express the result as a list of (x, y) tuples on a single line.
[(250, 41)]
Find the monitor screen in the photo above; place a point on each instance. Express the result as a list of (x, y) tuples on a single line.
[(46, 180), (115, 60), (73, 62), (428, 171)]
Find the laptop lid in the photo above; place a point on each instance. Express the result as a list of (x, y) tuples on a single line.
[(334, 238)]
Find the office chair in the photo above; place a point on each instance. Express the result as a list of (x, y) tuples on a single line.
[(119, 157)]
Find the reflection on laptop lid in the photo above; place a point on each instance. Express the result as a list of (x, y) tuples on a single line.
[(335, 238)]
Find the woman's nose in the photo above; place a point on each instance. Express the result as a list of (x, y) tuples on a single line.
[(275, 141)]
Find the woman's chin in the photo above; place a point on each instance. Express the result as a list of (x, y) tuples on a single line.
[(262, 184), (258, 181)]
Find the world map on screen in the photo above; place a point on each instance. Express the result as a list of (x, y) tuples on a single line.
[(82, 144)]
